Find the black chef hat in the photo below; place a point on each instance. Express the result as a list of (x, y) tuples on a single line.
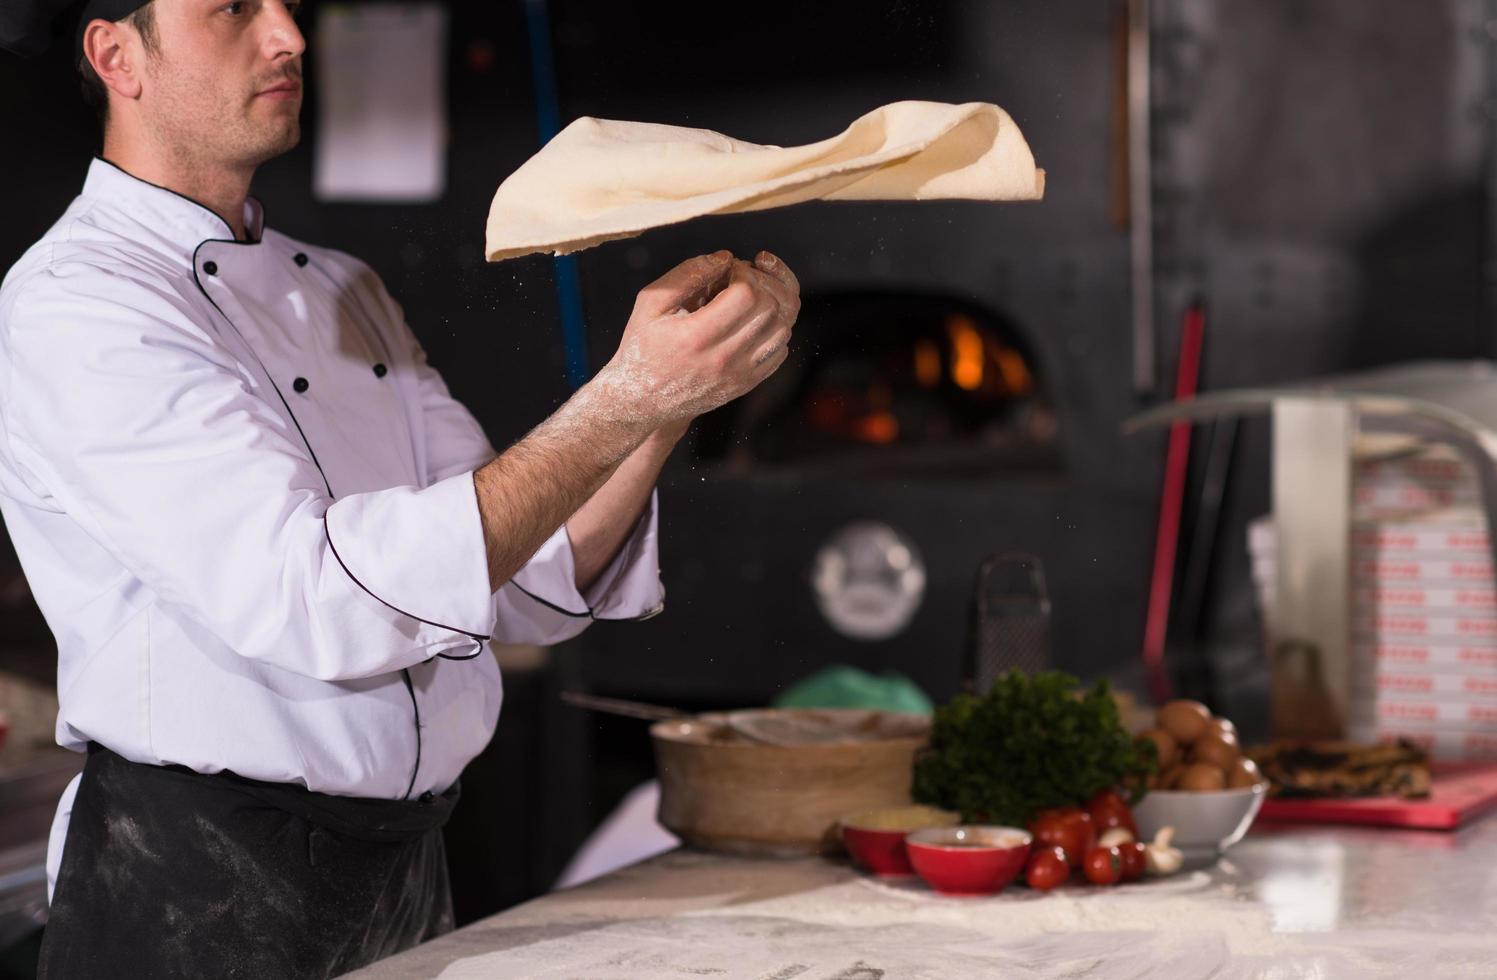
[(29, 27)]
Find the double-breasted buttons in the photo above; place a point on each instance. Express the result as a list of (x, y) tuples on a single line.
[(300, 258), (380, 370), (300, 385), (211, 268)]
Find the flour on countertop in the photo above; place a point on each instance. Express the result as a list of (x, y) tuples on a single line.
[(1178, 928)]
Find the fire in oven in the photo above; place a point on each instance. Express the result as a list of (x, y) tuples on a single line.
[(893, 382)]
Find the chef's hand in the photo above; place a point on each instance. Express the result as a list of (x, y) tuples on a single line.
[(703, 334)]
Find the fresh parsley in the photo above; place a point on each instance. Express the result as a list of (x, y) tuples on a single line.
[(1031, 743)]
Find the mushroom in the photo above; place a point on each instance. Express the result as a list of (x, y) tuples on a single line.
[(1162, 858)]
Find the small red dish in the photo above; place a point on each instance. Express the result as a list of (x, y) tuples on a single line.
[(968, 860), (875, 838), (878, 851)]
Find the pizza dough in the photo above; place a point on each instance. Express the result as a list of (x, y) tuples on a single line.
[(602, 179)]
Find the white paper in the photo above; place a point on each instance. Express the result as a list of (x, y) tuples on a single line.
[(382, 119)]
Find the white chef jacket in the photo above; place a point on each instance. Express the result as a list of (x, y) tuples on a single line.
[(245, 505)]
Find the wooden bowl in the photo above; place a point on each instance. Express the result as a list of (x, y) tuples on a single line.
[(721, 791)]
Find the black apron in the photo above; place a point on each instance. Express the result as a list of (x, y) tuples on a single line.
[(171, 873)]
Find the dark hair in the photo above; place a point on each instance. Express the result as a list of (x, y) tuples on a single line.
[(94, 91)]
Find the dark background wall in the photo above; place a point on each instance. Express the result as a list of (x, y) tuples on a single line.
[(743, 619), (1320, 179)]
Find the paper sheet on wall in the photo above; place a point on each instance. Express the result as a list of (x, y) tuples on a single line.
[(381, 87)]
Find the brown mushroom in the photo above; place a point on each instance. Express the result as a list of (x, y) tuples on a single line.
[(1186, 721), (1164, 744), (1202, 776)]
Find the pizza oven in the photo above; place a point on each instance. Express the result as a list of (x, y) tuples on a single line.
[(838, 513)]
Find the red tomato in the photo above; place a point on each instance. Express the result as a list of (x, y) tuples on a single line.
[(1108, 809), (1047, 869), (1135, 861), (1103, 865), (1069, 828)]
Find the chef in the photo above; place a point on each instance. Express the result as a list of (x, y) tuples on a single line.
[(272, 547)]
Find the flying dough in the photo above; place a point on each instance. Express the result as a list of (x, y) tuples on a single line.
[(602, 179)]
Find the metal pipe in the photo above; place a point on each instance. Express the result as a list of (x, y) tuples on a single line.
[(548, 121)]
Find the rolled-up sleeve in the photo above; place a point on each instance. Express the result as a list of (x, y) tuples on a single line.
[(541, 604), (128, 416), (628, 589)]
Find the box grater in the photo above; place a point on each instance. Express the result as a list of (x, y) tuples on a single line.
[(1010, 620)]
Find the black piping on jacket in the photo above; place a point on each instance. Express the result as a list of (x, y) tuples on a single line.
[(479, 639), (405, 672)]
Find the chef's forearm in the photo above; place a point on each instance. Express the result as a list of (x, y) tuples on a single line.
[(701, 335), (536, 485), (601, 526)]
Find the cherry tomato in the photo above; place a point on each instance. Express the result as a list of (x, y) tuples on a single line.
[(1108, 809), (1135, 861), (1069, 828), (1047, 869), (1103, 865)]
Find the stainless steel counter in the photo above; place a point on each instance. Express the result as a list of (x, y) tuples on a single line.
[(1322, 902)]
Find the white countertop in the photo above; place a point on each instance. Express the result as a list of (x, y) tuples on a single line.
[(1322, 902)]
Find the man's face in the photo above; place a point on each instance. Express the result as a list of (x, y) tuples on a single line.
[(224, 85)]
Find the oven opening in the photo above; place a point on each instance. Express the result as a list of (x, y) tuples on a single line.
[(893, 383)]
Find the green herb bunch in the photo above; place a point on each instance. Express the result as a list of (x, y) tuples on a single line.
[(1030, 743)]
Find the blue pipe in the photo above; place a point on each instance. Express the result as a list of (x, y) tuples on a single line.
[(548, 119)]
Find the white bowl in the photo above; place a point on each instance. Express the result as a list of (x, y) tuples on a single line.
[(1206, 822)]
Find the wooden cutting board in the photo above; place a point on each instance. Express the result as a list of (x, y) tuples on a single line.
[(1458, 794)]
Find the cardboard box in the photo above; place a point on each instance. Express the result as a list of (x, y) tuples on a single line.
[(1423, 657), (1432, 686), (1473, 630), (1383, 502), (1448, 534), (1419, 597), (1442, 745), (1423, 608), (1433, 480), (1408, 712)]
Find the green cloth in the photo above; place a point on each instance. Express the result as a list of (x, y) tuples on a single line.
[(849, 687)]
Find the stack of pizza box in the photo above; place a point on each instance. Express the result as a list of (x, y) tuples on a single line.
[(1423, 605)]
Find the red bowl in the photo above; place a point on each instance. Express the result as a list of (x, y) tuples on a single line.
[(876, 847), (878, 851), (968, 860)]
